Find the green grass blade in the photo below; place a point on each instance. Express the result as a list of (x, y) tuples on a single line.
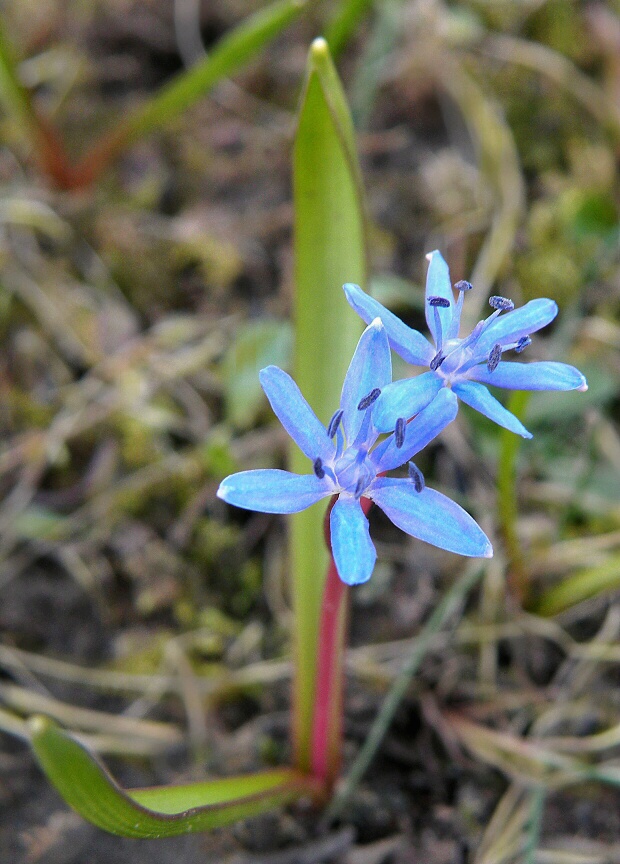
[(235, 49), (344, 22), (580, 586), (158, 812), (330, 249)]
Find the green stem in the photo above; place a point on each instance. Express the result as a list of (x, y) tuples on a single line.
[(399, 687), (510, 445)]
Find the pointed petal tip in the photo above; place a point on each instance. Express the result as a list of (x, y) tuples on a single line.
[(376, 324), (488, 552), (429, 255)]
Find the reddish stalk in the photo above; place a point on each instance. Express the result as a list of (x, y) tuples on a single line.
[(328, 708), (327, 725)]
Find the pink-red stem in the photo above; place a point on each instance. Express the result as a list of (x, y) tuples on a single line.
[(328, 709), (327, 725)]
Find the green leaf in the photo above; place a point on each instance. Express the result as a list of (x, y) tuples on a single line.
[(155, 812), (330, 249), (258, 344), (232, 52)]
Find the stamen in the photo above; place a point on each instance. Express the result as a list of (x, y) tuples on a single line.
[(367, 401), (318, 468), (359, 487), (399, 432), (334, 423), (501, 303), (494, 357), (436, 361), (439, 301), (522, 344), (463, 285), (416, 476)]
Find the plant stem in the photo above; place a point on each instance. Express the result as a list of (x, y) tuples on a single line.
[(328, 708), (510, 445), (397, 691), (327, 720)]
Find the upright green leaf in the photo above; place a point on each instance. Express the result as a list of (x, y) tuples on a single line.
[(156, 812), (330, 249)]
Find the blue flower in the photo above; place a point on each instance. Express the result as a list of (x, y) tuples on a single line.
[(346, 463), (464, 364)]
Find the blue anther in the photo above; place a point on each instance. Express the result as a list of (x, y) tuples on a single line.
[(334, 423), (367, 401), (416, 476), (501, 303), (494, 357), (436, 361)]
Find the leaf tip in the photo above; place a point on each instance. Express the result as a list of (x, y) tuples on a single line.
[(319, 48), (38, 725)]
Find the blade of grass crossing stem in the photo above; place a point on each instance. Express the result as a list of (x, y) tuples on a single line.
[(330, 249), (157, 812), (233, 51), (421, 644)]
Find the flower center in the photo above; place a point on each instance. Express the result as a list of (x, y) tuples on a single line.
[(354, 471)]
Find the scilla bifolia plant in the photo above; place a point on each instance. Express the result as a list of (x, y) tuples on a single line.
[(352, 436)]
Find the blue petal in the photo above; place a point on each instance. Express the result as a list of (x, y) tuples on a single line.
[(438, 285), (418, 433), (370, 369), (352, 547), (412, 346), (511, 326), (477, 396), (404, 399), (531, 376), (295, 414), (270, 490), (432, 517)]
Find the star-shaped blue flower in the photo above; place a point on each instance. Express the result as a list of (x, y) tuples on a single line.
[(347, 462), (465, 364)]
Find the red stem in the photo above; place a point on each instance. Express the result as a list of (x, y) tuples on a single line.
[(327, 726), (328, 709)]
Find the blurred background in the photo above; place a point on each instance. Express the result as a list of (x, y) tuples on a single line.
[(135, 313)]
